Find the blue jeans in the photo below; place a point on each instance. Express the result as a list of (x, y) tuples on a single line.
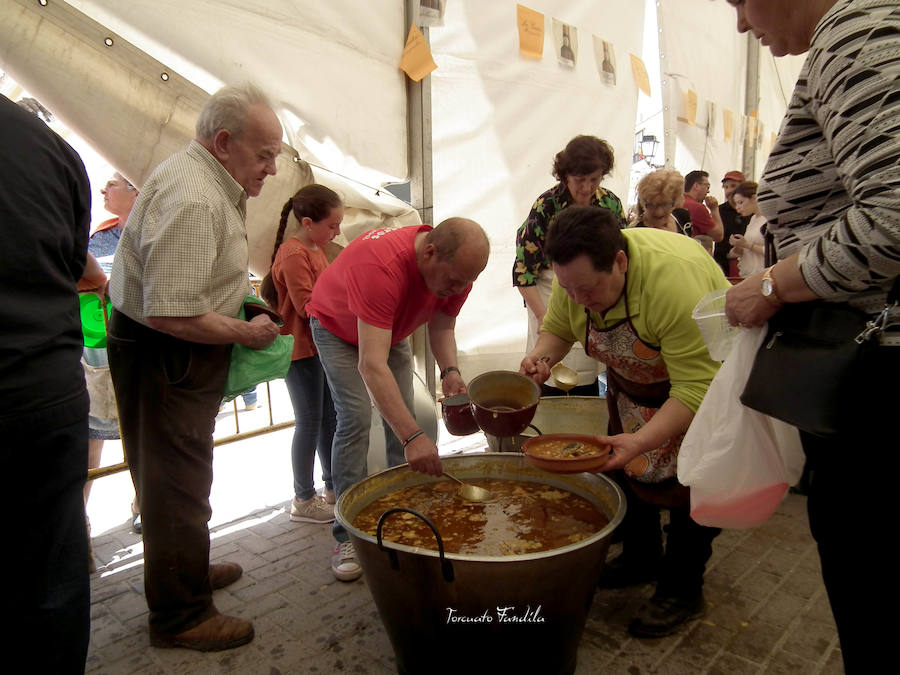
[(313, 424), (353, 408), (249, 396)]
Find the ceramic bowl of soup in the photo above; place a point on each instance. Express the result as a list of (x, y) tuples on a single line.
[(566, 453)]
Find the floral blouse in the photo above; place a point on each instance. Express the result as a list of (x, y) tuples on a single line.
[(530, 259)]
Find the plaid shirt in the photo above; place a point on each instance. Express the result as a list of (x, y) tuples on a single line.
[(184, 249)]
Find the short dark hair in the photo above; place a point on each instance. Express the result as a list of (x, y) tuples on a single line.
[(583, 155), (585, 230), (693, 178)]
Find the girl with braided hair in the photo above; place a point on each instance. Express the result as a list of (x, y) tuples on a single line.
[(296, 265)]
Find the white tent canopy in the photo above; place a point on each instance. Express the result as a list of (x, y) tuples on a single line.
[(331, 68)]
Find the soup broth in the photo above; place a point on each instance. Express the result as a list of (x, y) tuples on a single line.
[(565, 448), (522, 517)]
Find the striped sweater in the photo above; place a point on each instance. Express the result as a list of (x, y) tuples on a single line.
[(831, 186)]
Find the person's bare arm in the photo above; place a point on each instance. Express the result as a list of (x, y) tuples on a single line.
[(374, 348), (745, 304), (533, 301), (717, 232), (93, 278), (549, 350), (442, 337), (217, 329), (672, 419)]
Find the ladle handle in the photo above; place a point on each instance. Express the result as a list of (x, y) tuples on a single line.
[(453, 478)]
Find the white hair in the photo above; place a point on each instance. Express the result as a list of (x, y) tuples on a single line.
[(227, 109)]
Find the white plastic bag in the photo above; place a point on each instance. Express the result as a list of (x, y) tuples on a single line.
[(737, 462)]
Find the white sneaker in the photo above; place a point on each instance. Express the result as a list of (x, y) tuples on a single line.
[(313, 510), (344, 563)]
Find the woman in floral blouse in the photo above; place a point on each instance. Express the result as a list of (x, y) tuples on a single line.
[(579, 168)]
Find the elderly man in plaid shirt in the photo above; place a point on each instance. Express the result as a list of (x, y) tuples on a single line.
[(178, 282)]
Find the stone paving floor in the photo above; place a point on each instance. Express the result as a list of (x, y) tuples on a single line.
[(767, 608)]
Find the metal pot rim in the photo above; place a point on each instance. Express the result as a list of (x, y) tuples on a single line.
[(614, 522)]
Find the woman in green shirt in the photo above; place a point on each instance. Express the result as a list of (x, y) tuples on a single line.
[(628, 296)]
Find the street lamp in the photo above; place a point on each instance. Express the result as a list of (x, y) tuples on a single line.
[(644, 148)]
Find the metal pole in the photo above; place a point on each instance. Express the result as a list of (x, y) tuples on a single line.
[(418, 112), (751, 106)]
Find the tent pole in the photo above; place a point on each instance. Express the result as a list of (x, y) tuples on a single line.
[(418, 109), (751, 107)]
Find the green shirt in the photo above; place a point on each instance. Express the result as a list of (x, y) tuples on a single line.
[(667, 275)]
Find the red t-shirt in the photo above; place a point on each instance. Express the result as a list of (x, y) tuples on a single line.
[(376, 279), (294, 274), (701, 221)]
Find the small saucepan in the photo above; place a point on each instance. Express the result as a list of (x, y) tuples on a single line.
[(458, 416), (503, 402)]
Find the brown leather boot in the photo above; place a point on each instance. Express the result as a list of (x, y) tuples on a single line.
[(213, 635), (224, 574)]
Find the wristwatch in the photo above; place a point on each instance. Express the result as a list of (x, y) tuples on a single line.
[(768, 288), (449, 369)]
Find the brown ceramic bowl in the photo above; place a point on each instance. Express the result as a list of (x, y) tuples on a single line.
[(566, 453), (504, 402), (457, 413)]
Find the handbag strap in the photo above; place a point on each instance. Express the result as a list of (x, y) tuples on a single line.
[(770, 256), (894, 294)]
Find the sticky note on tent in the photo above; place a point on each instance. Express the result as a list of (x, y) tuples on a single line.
[(417, 61), (640, 74), (690, 106), (531, 32)]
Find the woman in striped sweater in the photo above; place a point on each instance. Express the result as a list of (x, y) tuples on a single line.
[(831, 194)]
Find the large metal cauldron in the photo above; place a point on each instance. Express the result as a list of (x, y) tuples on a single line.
[(477, 614)]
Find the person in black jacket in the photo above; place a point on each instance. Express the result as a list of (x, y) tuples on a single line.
[(44, 219)]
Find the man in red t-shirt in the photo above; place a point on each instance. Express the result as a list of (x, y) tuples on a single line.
[(382, 287), (704, 219)]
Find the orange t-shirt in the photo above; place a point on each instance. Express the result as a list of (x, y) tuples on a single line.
[(294, 273)]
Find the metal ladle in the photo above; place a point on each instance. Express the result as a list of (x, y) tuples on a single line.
[(564, 378), (469, 492)]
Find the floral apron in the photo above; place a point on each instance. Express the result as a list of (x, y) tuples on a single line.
[(638, 385)]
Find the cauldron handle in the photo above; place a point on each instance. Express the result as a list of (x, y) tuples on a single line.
[(446, 565)]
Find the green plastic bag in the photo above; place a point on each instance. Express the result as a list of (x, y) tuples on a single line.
[(249, 366)]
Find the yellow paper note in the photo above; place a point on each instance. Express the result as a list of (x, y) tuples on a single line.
[(750, 136), (416, 61), (690, 106), (728, 124), (640, 74), (531, 32)]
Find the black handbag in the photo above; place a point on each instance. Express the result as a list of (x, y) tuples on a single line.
[(812, 365)]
